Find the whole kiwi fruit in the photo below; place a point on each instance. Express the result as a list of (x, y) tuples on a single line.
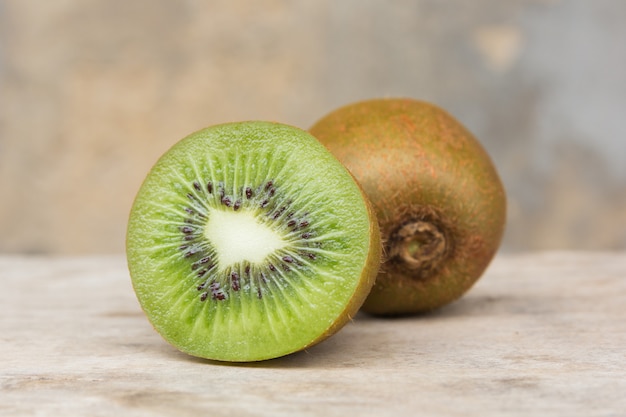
[(249, 241), (438, 198)]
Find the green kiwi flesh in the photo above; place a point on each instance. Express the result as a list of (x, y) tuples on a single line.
[(439, 201), (249, 241)]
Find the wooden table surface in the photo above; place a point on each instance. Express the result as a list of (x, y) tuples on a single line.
[(540, 334)]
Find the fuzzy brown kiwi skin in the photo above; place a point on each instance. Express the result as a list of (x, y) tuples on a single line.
[(438, 198)]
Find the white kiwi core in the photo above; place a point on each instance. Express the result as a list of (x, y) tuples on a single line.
[(239, 236)]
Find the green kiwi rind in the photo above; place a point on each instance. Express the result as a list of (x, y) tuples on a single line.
[(439, 200), (209, 297)]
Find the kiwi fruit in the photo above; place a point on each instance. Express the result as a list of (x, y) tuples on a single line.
[(249, 241), (436, 193)]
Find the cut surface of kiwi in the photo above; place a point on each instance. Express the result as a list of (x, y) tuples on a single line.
[(249, 241), (439, 201)]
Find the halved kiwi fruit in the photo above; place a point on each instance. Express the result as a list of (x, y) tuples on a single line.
[(438, 198), (249, 241)]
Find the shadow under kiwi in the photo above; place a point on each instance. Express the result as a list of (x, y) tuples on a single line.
[(489, 305), (313, 357), (465, 306), (326, 354)]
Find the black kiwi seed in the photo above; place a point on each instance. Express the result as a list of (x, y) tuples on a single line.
[(216, 291), (234, 279)]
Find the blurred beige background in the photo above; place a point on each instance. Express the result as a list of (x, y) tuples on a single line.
[(92, 92)]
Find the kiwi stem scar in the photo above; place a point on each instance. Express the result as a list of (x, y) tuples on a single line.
[(418, 245)]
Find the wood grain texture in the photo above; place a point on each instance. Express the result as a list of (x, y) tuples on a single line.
[(540, 334)]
